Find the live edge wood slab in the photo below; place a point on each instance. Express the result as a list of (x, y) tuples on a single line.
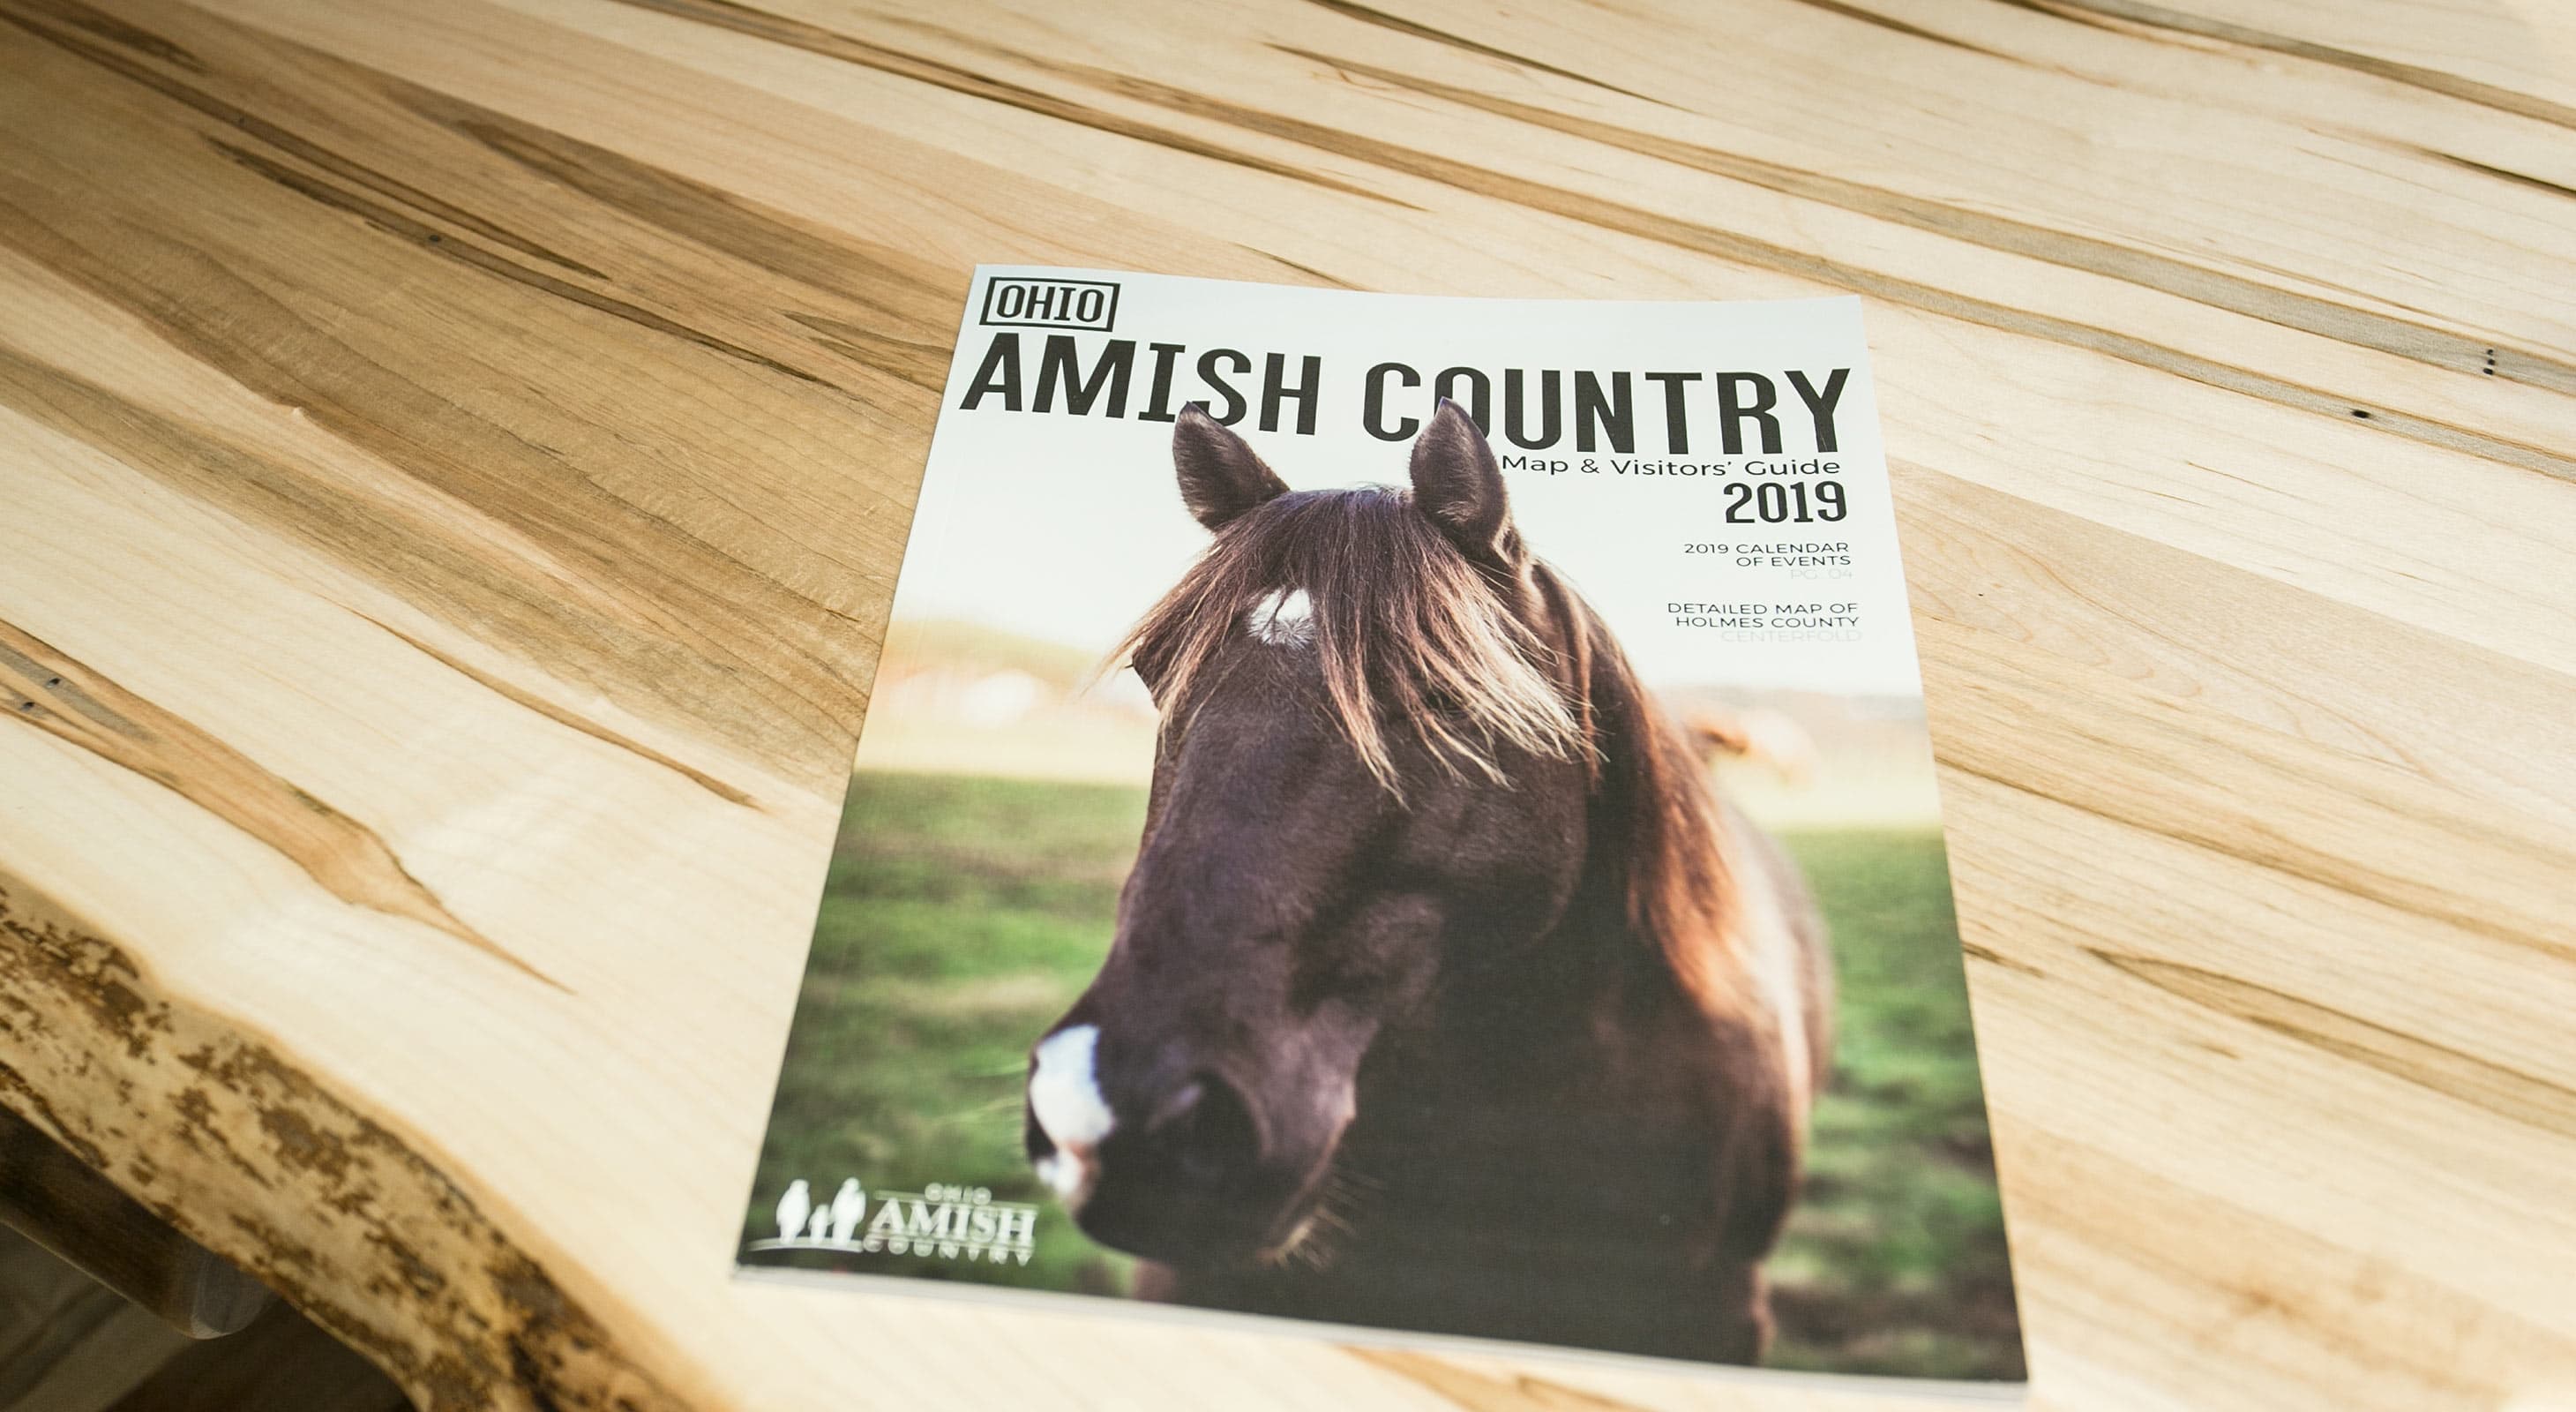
[(454, 456)]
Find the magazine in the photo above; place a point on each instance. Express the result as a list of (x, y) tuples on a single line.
[(1411, 815)]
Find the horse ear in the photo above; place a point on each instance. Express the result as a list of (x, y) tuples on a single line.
[(1221, 478), (1457, 482)]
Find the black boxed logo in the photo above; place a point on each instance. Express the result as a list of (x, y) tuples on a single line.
[(1051, 303)]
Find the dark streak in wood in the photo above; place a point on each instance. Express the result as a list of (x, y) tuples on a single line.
[(116, 31), (815, 39), (1307, 270), (1400, 25), (563, 717), (675, 612), (2405, 338), (916, 361), (2450, 85), (2500, 173), (414, 552), (1890, 22), (592, 170), (395, 223), (1744, 249), (918, 298), (252, 125), (2071, 16), (341, 855), (1992, 957), (2507, 1093)]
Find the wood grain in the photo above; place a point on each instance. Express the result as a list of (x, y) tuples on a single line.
[(456, 456)]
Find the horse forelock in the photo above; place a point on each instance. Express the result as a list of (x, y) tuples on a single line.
[(1407, 637)]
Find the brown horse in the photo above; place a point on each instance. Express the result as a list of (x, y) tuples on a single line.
[(1445, 996)]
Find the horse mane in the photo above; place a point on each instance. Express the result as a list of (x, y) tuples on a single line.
[(1655, 819), (1411, 639)]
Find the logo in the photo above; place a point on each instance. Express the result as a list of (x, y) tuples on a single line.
[(944, 1222), (1050, 303)]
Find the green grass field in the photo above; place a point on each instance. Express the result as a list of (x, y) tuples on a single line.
[(962, 915)]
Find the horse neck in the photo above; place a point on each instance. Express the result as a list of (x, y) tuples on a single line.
[(1581, 1068), (1599, 994), (1588, 1065), (1614, 1055)]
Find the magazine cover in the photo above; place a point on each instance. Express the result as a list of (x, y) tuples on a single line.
[(1408, 814)]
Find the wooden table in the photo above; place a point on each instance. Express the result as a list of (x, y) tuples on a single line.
[(456, 453)]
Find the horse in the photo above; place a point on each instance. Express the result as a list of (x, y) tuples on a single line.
[(1445, 994)]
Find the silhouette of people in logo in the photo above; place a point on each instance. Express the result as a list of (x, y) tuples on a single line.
[(848, 1204), (800, 1219), (793, 1208)]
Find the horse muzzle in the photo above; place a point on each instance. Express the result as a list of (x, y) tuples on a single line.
[(1167, 1159)]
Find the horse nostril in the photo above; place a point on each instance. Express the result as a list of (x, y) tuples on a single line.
[(1206, 1128)]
